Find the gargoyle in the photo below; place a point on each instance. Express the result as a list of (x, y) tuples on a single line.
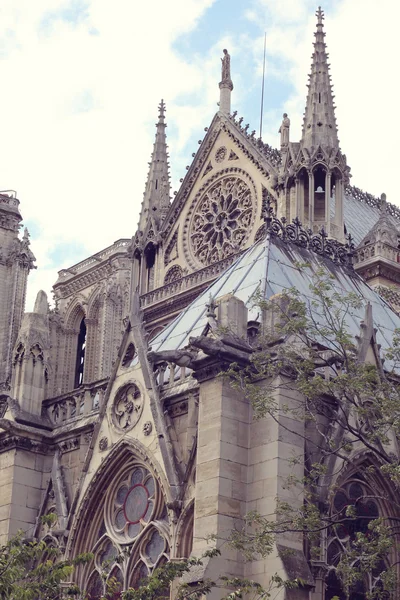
[(182, 358)]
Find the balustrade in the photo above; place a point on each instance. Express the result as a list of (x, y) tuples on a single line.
[(76, 404)]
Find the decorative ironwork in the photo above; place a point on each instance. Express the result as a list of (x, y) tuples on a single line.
[(319, 243)]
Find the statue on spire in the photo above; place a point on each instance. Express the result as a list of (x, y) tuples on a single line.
[(225, 85), (226, 67), (284, 131)]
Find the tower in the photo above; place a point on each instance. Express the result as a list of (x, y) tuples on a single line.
[(16, 260), (314, 171)]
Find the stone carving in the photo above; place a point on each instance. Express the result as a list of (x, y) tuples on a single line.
[(207, 169), (69, 445), (284, 130), (171, 252), (103, 444), (127, 407), (222, 220), (226, 67), (220, 154), (173, 274), (147, 428), (233, 156)]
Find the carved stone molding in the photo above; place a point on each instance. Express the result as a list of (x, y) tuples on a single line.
[(69, 445)]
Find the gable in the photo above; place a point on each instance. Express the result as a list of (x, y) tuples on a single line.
[(218, 209)]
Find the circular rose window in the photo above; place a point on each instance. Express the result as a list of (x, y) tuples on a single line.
[(133, 503), (222, 220)]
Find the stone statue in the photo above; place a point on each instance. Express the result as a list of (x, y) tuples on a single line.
[(284, 130), (226, 66)]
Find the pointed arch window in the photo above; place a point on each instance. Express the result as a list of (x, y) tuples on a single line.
[(131, 535), (80, 354), (356, 494), (150, 259)]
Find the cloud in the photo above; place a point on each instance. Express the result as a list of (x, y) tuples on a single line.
[(82, 81), (80, 109)]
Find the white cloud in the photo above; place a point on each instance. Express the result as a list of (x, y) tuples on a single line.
[(363, 47), (81, 87)]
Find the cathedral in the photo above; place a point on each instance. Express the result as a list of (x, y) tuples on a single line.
[(113, 414)]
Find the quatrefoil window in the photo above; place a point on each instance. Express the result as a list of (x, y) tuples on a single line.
[(127, 407), (222, 220)]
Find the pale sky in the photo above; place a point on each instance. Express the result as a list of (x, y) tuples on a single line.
[(82, 80)]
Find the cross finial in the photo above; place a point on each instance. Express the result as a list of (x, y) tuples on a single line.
[(320, 16), (161, 107)]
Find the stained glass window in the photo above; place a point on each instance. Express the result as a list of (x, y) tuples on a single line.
[(134, 502), (132, 505), (95, 588), (155, 547)]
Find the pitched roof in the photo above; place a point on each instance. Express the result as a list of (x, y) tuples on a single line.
[(270, 267)]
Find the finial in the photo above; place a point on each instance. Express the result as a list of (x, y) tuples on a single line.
[(162, 109), (383, 205), (320, 16), (26, 236)]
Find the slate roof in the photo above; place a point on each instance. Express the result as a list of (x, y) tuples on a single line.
[(270, 267), (361, 217)]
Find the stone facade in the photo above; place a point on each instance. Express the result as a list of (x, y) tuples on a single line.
[(150, 449)]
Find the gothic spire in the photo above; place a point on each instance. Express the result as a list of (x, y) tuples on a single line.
[(156, 198), (319, 125)]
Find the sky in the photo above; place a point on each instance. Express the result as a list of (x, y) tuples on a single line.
[(82, 80)]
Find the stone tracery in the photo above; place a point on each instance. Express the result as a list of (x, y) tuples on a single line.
[(127, 407), (133, 515), (222, 219), (364, 509)]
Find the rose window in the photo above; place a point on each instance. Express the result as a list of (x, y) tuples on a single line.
[(131, 535), (127, 407), (222, 220), (133, 503)]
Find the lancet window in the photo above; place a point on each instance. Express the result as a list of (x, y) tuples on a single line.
[(80, 354), (356, 494), (132, 534)]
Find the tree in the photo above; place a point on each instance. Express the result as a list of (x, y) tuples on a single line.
[(34, 569), (350, 406)]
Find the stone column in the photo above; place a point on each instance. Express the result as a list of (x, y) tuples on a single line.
[(311, 198), (328, 202), (339, 208), (225, 96)]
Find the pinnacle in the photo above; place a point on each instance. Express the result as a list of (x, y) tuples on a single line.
[(319, 106), (157, 190)]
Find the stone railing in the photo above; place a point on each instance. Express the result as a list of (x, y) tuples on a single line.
[(9, 197), (117, 247), (76, 404), (377, 249), (187, 282), (168, 374)]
